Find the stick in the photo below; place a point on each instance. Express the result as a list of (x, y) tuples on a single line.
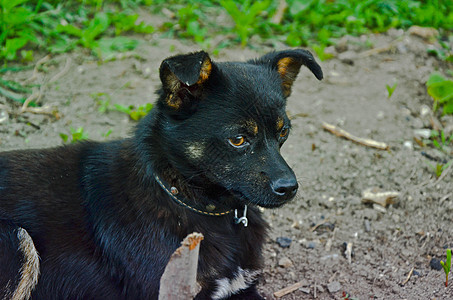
[(282, 6), (380, 49), (289, 289), (319, 224), (179, 280), (362, 141), (408, 276), (35, 70)]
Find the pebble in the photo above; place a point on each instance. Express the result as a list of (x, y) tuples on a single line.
[(284, 242), (285, 262), (305, 290), (423, 133), (311, 245), (367, 225), (330, 257), (348, 57), (3, 116), (409, 145), (425, 110), (334, 287), (435, 264)]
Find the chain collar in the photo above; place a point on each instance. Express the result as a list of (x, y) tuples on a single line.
[(173, 192)]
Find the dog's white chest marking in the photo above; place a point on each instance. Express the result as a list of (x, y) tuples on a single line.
[(229, 286)]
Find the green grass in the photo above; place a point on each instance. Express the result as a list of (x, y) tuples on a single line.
[(103, 26), (55, 27)]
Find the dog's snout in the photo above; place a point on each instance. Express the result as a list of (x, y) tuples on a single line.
[(285, 188)]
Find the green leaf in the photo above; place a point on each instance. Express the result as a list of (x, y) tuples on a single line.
[(390, 89), (64, 137), (69, 29)]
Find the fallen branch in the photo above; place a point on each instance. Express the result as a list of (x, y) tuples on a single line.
[(362, 141), (289, 289), (179, 280)]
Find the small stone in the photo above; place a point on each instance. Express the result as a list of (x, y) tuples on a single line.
[(425, 110), (416, 273), (409, 145), (347, 57), (3, 116), (334, 287), (285, 262), (320, 288), (305, 290), (423, 133), (284, 242), (380, 115), (367, 225), (435, 264), (311, 245)]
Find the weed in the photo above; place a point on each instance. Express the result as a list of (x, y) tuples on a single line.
[(64, 26), (390, 89), (441, 90), (102, 101), (320, 51), (106, 135), (135, 113), (245, 16), (439, 168), (447, 265), (74, 136), (440, 141)]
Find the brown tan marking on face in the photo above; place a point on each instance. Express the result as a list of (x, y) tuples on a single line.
[(173, 102), (280, 123), (252, 126), (205, 71)]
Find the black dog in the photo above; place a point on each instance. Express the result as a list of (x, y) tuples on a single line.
[(104, 218)]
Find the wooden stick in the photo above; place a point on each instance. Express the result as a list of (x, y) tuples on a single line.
[(385, 48), (362, 141), (179, 280), (289, 289), (408, 276)]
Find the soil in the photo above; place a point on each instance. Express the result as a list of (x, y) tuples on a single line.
[(387, 243)]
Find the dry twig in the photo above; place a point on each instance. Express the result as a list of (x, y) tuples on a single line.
[(408, 276), (378, 50), (35, 69), (289, 289), (362, 141)]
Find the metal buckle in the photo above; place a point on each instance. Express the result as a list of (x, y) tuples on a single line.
[(242, 219)]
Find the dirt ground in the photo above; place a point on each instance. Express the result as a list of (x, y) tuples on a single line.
[(387, 243)]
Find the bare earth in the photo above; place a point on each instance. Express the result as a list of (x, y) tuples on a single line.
[(333, 172)]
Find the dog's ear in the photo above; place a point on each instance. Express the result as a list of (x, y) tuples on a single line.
[(183, 77), (287, 63)]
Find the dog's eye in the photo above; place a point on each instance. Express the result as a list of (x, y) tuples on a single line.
[(237, 141), (284, 132)]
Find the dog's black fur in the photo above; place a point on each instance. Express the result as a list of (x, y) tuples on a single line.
[(105, 229)]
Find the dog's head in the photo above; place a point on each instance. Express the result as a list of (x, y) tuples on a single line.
[(222, 124)]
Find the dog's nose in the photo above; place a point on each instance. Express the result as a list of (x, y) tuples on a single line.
[(285, 188)]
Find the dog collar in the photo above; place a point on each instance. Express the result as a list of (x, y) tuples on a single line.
[(172, 191)]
